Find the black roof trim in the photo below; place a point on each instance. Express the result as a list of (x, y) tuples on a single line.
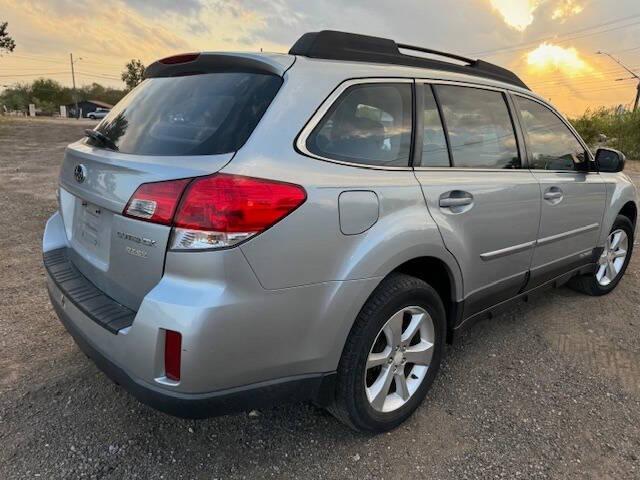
[(212, 63), (333, 45)]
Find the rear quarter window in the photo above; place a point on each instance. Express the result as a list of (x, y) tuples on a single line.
[(368, 124), (191, 115)]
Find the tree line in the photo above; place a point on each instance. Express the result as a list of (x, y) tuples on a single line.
[(612, 127), (47, 95)]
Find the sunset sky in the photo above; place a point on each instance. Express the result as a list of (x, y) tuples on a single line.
[(551, 44)]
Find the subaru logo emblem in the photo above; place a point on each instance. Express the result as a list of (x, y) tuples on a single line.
[(80, 173)]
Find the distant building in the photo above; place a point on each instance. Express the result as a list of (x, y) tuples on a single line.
[(86, 107)]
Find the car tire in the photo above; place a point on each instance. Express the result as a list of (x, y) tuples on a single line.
[(415, 304), (594, 284)]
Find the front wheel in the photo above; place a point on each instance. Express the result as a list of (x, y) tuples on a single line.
[(391, 356), (612, 263)]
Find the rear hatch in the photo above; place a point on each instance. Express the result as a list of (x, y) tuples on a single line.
[(179, 124)]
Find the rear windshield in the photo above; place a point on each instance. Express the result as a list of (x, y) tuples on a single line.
[(192, 115)]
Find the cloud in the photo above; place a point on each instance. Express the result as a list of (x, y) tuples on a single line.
[(106, 35), (517, 14), (160, 7), (520, 14), (566, 9)]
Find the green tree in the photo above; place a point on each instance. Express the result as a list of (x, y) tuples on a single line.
[(613, 127), (17, 97), (95, 91), (133, 73), (7, 44)]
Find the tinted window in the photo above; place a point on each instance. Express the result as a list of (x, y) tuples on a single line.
[(193, 115), (434, 143), (551, 145), (368, 124), (479, 126)]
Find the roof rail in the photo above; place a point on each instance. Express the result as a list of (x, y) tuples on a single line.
[(333, 45)]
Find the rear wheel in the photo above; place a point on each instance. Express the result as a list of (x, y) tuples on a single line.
[(392, 355), (612, 262)]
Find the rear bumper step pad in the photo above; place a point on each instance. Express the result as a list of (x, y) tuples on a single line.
[(76, 288)]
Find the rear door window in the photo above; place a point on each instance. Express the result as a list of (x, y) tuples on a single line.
[(480, 129), (191, 115), (369, 124)]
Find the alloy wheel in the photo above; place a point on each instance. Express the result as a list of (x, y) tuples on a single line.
[(613, 257), (399, 359)]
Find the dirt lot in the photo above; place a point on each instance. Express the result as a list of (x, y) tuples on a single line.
[(549, 390)]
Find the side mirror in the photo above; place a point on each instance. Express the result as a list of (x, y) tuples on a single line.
[(610, 160)]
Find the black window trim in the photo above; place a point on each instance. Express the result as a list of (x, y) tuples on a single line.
[(300, 143), (522, 152), (443, 122), (590, 159)]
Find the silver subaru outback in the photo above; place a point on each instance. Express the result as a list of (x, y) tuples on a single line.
[(247, 229)]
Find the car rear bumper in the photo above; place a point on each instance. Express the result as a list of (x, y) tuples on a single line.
[(315, 387), (242, 346)]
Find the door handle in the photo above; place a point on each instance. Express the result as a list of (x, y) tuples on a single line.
[(553, 194), (449, 202), (456, 200)]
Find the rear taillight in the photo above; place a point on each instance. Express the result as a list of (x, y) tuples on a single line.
[(172, 354), (217, 211), (156, 202), (222, 210)]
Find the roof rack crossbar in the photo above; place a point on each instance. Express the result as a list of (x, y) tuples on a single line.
[(430, 51), (351, 47)]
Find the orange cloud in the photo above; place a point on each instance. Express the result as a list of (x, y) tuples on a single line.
[(566, 9), (519, 14)]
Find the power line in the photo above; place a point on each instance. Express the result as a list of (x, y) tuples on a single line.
[(61, 60), (35, 74), (627, 50), (569, 36), (26, 57), (558, 79), (574, 38), (595, 88), (616, 89), (556, 88), (105, 77), (628, 69), (569, 80)]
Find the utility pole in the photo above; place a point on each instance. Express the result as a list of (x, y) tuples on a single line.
[(635, 75), (73, 77)]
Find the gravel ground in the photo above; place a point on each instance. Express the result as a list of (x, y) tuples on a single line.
[(548, 390)]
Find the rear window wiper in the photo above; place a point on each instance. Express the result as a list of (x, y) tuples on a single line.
[(101, 138)]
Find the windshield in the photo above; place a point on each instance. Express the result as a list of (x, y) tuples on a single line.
[(192, 115)]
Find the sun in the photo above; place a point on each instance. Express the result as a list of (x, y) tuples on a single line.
[(548, 57)]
